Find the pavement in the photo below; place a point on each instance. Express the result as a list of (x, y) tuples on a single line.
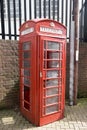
[(75, 119)]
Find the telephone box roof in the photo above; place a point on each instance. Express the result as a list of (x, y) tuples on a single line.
[(41, 20)]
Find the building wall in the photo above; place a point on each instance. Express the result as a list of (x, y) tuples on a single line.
[(82, 73), (9, 73), (82, 86), (9, 87)]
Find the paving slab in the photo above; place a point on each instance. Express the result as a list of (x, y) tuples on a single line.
[(75, 119)]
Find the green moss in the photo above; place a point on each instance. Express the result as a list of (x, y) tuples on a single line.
[(82, 101)]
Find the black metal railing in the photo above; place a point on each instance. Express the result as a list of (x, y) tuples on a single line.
[(83, 22), (14, 12), (2, 19)]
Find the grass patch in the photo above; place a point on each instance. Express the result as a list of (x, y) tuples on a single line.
[(82, 101)]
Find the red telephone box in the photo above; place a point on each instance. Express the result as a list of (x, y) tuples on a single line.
[(42, 48)]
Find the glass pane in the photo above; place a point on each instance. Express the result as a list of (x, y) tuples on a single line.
[(26, 63), (52, 73), (26, 54), (60, 90), (61, 56), (51, 91), (51, 82), (53, 45), (52, 55), (26, 72), (44, 44), (61, 47), (51, 109), (26, 46), (60, 82), (26, 81), (60, 73), (52, 64), (60, 98), (51, 100), (45, 64)]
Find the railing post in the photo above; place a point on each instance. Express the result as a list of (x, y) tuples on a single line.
[(2, 19)]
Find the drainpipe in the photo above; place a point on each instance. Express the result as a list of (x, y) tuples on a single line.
[(74, 53), (76, 48), (71, 79)]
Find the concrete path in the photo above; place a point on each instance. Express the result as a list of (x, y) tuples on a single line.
[(75, 119)]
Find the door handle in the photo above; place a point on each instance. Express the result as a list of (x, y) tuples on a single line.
[(41, 75)]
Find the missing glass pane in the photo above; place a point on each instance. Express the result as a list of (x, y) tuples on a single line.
[(27, 93), (27, 106)]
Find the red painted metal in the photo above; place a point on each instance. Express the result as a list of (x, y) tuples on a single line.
[(42, 55)]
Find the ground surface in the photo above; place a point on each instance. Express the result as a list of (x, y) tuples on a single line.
[(75, 119)]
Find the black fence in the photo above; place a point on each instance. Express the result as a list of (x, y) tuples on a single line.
[(83, 22), (15, 12)]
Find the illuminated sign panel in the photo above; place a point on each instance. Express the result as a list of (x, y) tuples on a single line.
[(27, 31), (50, 30)]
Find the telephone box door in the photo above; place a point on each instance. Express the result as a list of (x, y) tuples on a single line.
[(52, 78)]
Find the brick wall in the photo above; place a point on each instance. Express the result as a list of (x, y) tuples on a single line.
[(82, 79), (9, 73), (82, 86), (9, 77)]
